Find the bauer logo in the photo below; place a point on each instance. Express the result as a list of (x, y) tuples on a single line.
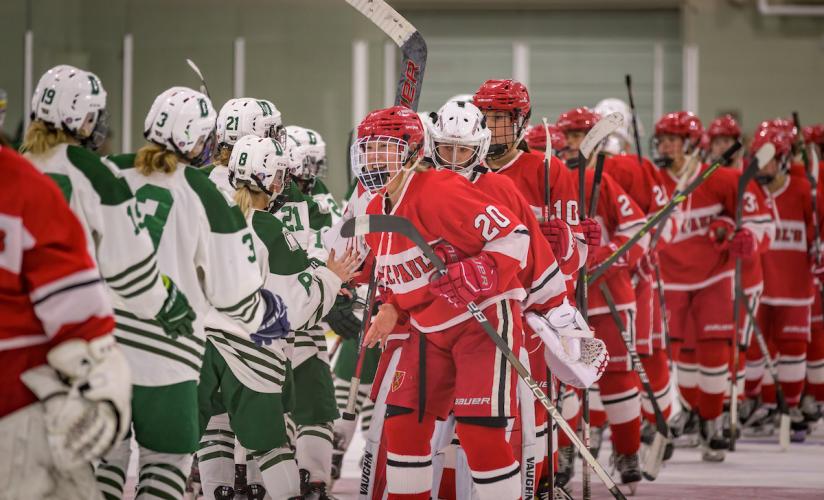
[(472, 401)]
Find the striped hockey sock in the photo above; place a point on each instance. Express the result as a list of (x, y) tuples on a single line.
[(216, 456), (162, 475), (314, 451), (111, 471), (495, 471), (279, 471)]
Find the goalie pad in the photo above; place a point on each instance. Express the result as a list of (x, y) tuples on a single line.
[(86, 391), (573, 354)]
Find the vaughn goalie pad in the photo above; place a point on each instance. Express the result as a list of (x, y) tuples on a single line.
[(573, 354)]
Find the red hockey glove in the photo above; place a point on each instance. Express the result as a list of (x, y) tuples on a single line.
[(646, 265), (601, 254), (560, 238), (592, 232), (719, 233), (448, 253), (743, 244), (466, 280)]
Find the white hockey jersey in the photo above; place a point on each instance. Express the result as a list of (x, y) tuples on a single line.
[(204, 245), (106, 208)]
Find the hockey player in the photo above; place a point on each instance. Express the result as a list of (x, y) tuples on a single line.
[(238, 118), (66, 384), (255, 381), (722, 133), (463, 369), (202, 243), (620, 217), (536, 139), (784, 315), (309, 169), (697, 273), (69, 108), (459, 139)]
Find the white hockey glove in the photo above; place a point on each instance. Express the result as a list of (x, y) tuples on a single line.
[(573, 354), (86, 390)]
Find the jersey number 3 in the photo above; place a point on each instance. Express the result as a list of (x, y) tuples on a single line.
[(485, 222), (154, 204)]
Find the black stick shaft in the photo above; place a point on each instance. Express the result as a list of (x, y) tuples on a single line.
[(635, 133)]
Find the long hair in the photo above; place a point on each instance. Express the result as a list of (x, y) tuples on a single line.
[(247, 199), (41, 138), (154, 158)]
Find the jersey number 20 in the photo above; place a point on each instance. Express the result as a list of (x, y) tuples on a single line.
[(485, 221)]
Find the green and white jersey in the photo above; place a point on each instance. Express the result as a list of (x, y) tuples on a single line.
[(303, 218), (204, 245), (106, 208), (307, 288), (326, 202), (220, 176)]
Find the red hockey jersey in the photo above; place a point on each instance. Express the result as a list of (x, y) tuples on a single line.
[(446, 207), (527, 172), (50, 290), (789, 251), (691, 261)]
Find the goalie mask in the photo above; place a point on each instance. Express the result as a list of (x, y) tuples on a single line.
[(573, 354), (505, 103), (73, 100), (458, 137), (389, 141), (262, 165), (247, 116), (307, 156), (182, 120), (683, 124)]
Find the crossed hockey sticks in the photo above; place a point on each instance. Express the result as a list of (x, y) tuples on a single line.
[(655, 456), (365, 224)]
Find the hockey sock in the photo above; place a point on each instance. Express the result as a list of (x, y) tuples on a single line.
[(279, 472), (291, 431), (409, 456), (713, 375), (657, 370), (446, 490), (571, 411), (111, 471), (619, 392), (815, 365), (216, 456), (163, 475), (314, 451), (790, 364), (597, 414), (687, 367), (494, 469), (754, 371), (366, 406)]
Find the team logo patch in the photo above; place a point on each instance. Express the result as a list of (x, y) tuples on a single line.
[(397, 381)]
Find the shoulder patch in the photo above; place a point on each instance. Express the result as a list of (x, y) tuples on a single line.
[(285, 255), (223, 218), (124, 161), (111, 189)]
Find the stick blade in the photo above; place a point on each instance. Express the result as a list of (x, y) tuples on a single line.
[(356, 226), (784, 431), (813, 156), (600, 131), (654, 457), (764, 155)]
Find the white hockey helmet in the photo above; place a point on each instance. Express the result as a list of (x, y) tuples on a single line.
[(622, 139), (307, 153), (74, 100), (464, 98), (260, 163), (248, 116), (459, 138), (182, 120)]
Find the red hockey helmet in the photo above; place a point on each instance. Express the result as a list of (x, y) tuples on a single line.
[(778, 137), (781, 123), (503, 95), (536, 138), (814, 134), (681, 123), (724, 126), (578, 119), (387, 140)]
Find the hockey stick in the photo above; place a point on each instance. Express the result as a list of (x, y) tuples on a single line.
[(354, 383), (783, 408), (653, 221), (393, 224), (203, 88), (595, 137), (635, 133), (762, 157), (411, 43), (655, 455), (550, 463), (811, 169)]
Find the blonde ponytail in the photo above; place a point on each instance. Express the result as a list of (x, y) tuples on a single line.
[(41, 138), (154, 158), (248, 200)]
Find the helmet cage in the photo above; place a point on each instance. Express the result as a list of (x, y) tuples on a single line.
[(375, 169)]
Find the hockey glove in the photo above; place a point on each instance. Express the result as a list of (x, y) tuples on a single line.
[(719, 233), (176, 316), (601, 254), (743, 244), (466, 280), (341, 318), (646, 265), (559, 236), (592, 232), (275, 324), (86, 393), (448, 253)]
